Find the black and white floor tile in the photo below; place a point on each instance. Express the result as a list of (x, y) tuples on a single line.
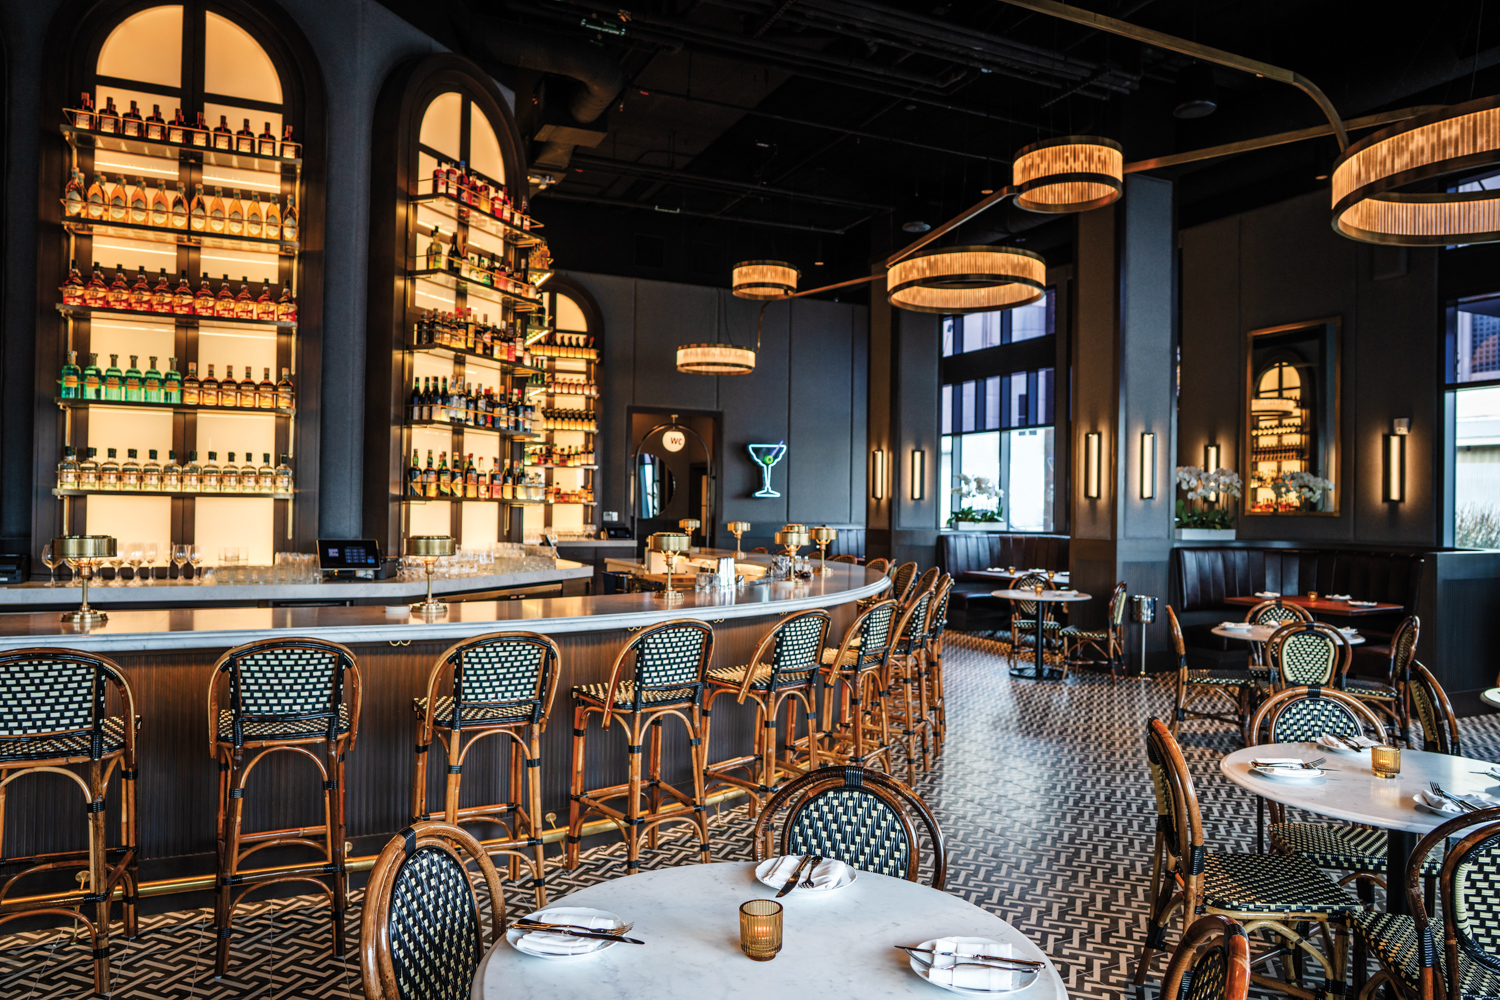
[(1042, 795)]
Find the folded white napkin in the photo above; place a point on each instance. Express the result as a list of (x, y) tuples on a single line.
[(1268, 594), (1361, 604), (984, 978), (542, 942), (1236, 625), (1437, 803), (1329, 740), (829, 874), (1336, 597), (1293, 763), (1349, 631)]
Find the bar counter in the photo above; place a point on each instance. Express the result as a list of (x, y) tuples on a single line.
[(168, 657)]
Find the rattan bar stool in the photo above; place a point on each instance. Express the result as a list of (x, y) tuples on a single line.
[(905, 695), (852, 680), (297, 696), (54, 719), (502, 685), (878, 565), (932, 679), (902, 576), (658, 674), (783, 671)]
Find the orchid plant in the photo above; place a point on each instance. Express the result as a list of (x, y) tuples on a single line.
[(979, 490), (1294, 491), (1201, 486)]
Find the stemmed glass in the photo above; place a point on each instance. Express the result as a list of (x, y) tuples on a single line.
[(135, 552), (152, 553), (115, 562), (180, 558), (50, 563), (195, 557)]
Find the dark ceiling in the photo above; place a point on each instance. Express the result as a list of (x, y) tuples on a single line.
[(709, 131)]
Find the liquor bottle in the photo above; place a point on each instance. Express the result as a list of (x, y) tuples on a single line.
[(289, 220), (134, 391), (140, 202), (140, 292), (414, 476), (283, 476), (84, 117), (265, 393), (224, 301), (119, 204), (159, 212), (482, 489), (229, 475), (265, 306), (114, 380), (161, 295), (208, 481), (69, 387), (435, 251), (203, 302), (88, 471), (266, 142), (156, 125), (94, 199), (216, 211), (249, 391), (273, 220), (444, 475), (265, 476), (73, 196), (208, 389), (471, 479), (177, 132), (95, 294), (130, 471), (72, 288), (286, 396), (255, 216), (192, 389), (131, 124), (429, 478), (199, 134), (171, 474), (244, 139), (414, 405), (67, 470), (192, 474), (150, 383), (171, 383), (244, 303), (235, 215), (109, 471), (286, 306), (177, 209), (93, 379), (151, 473), (223, 139), (198, 212), (108, 119), (249, 476), (289, 150)]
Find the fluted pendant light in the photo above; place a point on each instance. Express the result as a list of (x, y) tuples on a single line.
[(1369, 206), (764, 279), (1075, 173), (966, 279), (717, 358)]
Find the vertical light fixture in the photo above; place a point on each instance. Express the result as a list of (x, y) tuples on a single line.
[(1394, 480), (918, 473), (1093, 473), (1210, 464), (877, 474), (1148, 465)]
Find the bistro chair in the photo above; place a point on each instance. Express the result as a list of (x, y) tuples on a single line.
[(901, 580), (54, 719), (861, 817), (657, 675), (905, 694), (852, 679), (1224, 687), (1468, 964), (1030, 623), (924, 582), (1274, 612), (422, 935), (1439, 725), (845, 558), (296, 696), (878, 565), (937, 626), (1388, 695), (1212, 962), (782, 671), (1307, 653), (1106, 647), (502, 685), (1270, 892)]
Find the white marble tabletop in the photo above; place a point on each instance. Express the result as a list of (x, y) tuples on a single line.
[(834, 945), (1046, 595), (1263, 633), (1491, 697), (1351, 792)]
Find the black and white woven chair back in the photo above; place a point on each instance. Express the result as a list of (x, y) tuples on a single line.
[(1117, 609), (1306, 653), (1474, 897), (939, 617), (914, 633), (508, 671), (875, 632), (1305, 719), (436, 937), (926, 580), (1439, 727), (1404, 646), (1212, 962), (1275, 613), (286, 681), (52, 692), (1167, 811), (854, 825), (1028, 609), (901, 580), (797, 647), (672, 657)]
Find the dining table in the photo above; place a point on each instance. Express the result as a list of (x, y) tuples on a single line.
[(1491, 697), (1263, 633), (1352, 792), (838, 943), (1321, 605), (1043, 615), (1010, 573)]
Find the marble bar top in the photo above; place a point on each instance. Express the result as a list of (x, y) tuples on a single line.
[(221, 628), (176, 591)]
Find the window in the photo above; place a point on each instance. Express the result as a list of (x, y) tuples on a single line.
[(1473, 376), (979, 331)]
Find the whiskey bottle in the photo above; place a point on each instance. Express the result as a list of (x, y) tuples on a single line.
[(286, 397), (171, 383), (244, 303), (283, 476), (140, 202), (84, 116), (265, 306), (224, 301), (192, 474), (199, 134), (67, 470), (93, 379), (208, 481), (203, 302), (208, 389), (248, 391), (216, 211), (161, 295), (151, 473), (72, 288), (429, 478), (140, 292), (198, 212), (73, 196), (286, 306), (265, 394), (119, 204), (482, 487), (192, 389), (70, 378), (177, 132), (131, 125), (414, 476), (255, 217), (289, 220), (114, 380), (435, 251), (160, 211), (133, 389), (244, 139), (235, 215), (171, 474), (178, 209), (223, 139), (265, 476), (444, 476), (94, 199), (108, 119), (229, 475), (273, 220), (471, 479), (156, 125), (109, 471), (130, 471), (88, 471), (150, 383), (266, 142), (289, 150)]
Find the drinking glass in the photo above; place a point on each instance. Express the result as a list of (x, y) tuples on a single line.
[(135, 552), (115, 562), (50, 563), (760, 929), (153, 553), (195, 558), (180, 558), (1385, 761)]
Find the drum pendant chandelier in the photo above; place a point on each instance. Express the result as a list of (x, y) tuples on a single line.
[(1368, 204), (1076, 173), (764, 279), (966, 279), (715, 359)]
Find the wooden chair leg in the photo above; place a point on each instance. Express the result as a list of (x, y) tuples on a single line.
[(576, 787), (698, 754), (653, 792), (419, 774), (515, 796), (339, 859), (534, 819), (130, 835), (99, 874), (454, 744), (633, 795), (231, 809)]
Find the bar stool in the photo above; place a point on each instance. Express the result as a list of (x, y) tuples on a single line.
[(658, 674), (852, 679), (502, 685), (783, 671), (904, 670), (289, 695), (54, 717), (932, 678)]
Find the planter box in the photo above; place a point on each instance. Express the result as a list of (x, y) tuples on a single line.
[(1204, 534), (979, 525)]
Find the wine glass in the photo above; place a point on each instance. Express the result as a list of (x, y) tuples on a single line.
[(152, 553), (195, 557), (50, 563), (115, 562), (180, 558), (135, 552)]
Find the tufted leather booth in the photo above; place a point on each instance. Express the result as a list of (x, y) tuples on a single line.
[(959, 552)]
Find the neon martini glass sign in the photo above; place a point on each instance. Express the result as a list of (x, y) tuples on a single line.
[(766, 456)]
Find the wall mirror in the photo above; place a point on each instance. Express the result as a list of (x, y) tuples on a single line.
[(1292, 419), (656, 483)]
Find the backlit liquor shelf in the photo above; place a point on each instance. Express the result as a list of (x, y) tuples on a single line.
[(92, 139), (446, 204), (480, 289), (442, 351), (83, 312), (178, 494), (182, 237), (84, 404), (455, 425)]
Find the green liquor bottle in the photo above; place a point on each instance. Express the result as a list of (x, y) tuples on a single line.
[(134, 393), (71, 377), (151, 383), (171, 384), (114, 379), (93, 379)]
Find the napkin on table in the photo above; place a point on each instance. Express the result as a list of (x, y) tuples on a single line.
[(1290, 761), (563, 944), (1329, 740), (985, 978), (829, 874), (1236, 625), (1437, 803), (1336, 597), (1268, 594)]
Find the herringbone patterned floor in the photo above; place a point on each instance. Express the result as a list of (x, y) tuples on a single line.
[(1042, 795)]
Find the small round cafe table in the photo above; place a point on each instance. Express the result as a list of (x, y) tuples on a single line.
[(838, 944), (1263, 633), (1045, 598), (1351, 792), (1491, 697)]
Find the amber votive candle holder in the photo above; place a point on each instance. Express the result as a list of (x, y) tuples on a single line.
[(760, 929), (1385, 761)]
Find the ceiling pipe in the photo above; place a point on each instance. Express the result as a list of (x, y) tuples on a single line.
[(625, 168), (641, 206)]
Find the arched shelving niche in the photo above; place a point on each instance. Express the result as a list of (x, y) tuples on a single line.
[(567, 458)]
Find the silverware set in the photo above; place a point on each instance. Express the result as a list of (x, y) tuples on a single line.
[(573, 930), (1437, 790), (982, 961), (1306, 765), (809, 862)]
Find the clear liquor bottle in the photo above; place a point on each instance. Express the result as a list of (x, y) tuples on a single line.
[(283, 476), (265, 476), (70, 379), (151, 473), (229, 475), (130, 471), (192, 474), (109, 471), (114, 380), (151, 383), (134, 390), (88, 471), (67, 470), (171, 474), (208, 481)]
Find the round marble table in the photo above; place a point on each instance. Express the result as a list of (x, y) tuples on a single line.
[(1352, 793), (1045, 597), (1263, 633), (835, 945), (1491, 697)]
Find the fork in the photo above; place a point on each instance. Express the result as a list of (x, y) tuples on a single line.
[(807, 880), (1437, 790), (1306, 765)]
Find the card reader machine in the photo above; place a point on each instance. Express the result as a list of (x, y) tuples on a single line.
[(349, 559)]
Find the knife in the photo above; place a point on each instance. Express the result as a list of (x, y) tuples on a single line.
[(529, 922), (1019, 962), (791, 883), (597, 935)]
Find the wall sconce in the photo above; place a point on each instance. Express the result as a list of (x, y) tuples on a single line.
[(1394, 479), (1093, 473), (1210, 463), (877, 474), (1148, 465), (918, 473)]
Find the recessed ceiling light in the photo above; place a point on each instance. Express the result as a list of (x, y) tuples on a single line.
[(1320, 177), (915, 226), (817, 263), (986, 190)]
